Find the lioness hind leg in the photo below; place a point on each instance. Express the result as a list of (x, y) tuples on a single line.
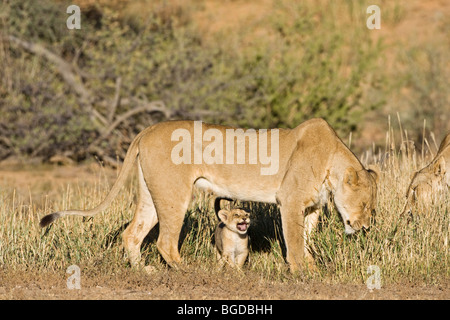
[(171, 215), (144, 220)]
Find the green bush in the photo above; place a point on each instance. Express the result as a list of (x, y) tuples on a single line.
[(309, 68)]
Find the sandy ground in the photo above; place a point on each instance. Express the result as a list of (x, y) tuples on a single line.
[(167, 283), (199, 285)]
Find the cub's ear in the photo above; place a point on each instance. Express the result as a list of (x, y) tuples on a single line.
[(351, 176), (439, 166), (223, 215), (374, 172)]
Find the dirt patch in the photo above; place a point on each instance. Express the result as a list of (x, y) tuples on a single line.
[(198, 284)]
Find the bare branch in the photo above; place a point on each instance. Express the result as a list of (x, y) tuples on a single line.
[(116, 100), (65, 69), (154, 106), (107, 159)]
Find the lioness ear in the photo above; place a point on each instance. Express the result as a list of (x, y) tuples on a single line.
[(351, 176), (223, 215), (439, 167), (374, 172)]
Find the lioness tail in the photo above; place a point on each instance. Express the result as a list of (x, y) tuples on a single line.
[(128, 163)]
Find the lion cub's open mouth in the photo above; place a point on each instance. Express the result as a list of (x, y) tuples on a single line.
[(242, 226)]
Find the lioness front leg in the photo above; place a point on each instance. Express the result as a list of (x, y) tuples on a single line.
[(311, 221), (292, 221)]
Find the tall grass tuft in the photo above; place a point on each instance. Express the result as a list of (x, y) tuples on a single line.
[(414, 251)]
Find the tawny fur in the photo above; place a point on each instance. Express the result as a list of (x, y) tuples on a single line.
[(313, 164), (430, 180), (232, 243)]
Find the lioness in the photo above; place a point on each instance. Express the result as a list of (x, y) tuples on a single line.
[(430, 180), (231, 237), (308, 163)]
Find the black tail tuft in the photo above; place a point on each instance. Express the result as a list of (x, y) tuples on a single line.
[(45, 221)]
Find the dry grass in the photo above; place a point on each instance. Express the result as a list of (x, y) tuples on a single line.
[(416, 252)]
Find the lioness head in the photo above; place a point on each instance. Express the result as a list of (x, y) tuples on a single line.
[(237, 220), (355, 198), (425, 184)]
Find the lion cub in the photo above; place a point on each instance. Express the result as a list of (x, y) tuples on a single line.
[(231, 237)]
